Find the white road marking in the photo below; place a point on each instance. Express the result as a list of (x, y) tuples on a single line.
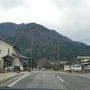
[(85, 76), (82, 76), (60, 79), (18, 80)]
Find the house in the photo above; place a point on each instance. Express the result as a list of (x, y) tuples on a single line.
[(9, 55), (84, 60), (25, 60), (67, 67)]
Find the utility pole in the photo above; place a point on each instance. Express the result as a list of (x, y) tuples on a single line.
[(58, 53), (31, 50), (31, 58), (54, 51)]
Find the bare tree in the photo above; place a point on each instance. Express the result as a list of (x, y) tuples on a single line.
[(43, 63)]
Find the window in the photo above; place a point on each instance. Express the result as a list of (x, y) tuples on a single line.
[(8, 50), (0, 50), (16, 51)]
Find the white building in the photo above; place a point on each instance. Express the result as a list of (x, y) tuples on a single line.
[(8, 55), (83, 59)]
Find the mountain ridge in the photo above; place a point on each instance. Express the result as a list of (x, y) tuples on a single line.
[(43, 42)]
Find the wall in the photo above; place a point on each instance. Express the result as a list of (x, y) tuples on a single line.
[(4, 50), (18, 62)]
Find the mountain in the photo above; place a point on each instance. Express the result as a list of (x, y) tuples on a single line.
[(7, 29), (42, 42)]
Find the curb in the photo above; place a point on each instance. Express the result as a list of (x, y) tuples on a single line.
[(4, 80)]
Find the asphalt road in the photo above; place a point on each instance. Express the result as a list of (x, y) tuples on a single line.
[(50, 80), (75, 82), (42, 80)]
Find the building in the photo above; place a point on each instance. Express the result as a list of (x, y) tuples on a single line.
[(84, 60), (25, 60), (9, 55)]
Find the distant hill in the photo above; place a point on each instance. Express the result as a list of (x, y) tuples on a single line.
[(43, 42), (7, 29)]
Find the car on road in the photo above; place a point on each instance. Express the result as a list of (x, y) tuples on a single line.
[(76, 68), (43, 69)]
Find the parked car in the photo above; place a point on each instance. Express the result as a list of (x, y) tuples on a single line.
[(76, 68), (9, 68), (67, 68), (87, 68)]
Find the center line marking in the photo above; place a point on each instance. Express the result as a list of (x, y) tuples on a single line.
[(60, 79), (18, 80)]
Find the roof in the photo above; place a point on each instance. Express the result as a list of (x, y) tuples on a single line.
[(2, 39), (23, 59), (83, 57), (23, 56), (86, 63), (16, 56), (8, 57), (63, 62)]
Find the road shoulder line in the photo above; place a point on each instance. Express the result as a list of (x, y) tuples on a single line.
[(60, 79), (17, 80), (77, 75)]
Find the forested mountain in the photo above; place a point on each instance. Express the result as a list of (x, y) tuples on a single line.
[(42, 42)]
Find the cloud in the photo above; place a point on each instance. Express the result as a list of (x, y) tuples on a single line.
[(76, 18), (69, 17), (62, 3), (10, 4)]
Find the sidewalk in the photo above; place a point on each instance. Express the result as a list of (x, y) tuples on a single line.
[(7, 76)]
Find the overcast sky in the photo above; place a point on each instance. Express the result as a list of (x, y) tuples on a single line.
[(68, 17)]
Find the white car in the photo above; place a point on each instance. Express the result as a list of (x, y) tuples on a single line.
[(67, 68), (76, 68), (9, 68), (87, 68)]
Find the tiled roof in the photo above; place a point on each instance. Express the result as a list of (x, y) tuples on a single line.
[(8, 43), (83, 57)]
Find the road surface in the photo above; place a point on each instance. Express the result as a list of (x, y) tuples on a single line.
[(49, 80)]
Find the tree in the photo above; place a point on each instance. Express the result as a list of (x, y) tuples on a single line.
[(43, 63), (32, 63)]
